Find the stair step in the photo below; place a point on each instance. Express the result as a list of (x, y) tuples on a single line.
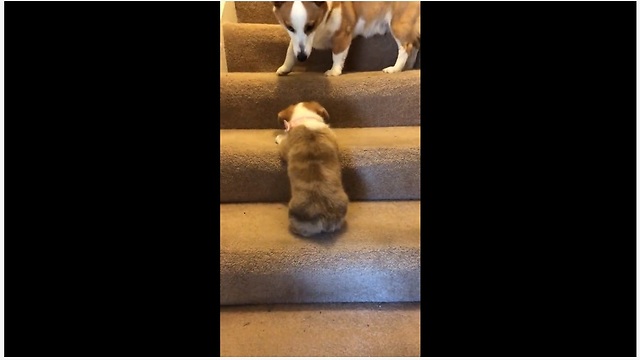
[(336, 330), (262, 48), (366, 99), (255, 12), (377, 164), (374, 258)]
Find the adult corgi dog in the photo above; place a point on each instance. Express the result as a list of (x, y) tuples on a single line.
[(333, 24), (318, 200)]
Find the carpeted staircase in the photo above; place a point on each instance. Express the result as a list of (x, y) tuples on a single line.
[(354, 293)]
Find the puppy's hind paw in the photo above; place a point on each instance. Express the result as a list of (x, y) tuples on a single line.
[(279, 139)]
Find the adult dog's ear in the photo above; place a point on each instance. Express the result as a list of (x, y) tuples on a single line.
[(277, 4)]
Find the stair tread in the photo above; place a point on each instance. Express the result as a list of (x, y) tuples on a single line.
[(362, 99), (255, 26), (375, 257), (371, 225), (351, 78), (363, 281), (378, 164), (262, 47), (337, 330), (259, 140)]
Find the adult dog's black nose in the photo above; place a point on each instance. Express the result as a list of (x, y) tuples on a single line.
[(302, 56)]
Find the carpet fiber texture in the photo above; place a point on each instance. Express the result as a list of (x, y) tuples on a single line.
[(378, 164), (255, 12), (375, 258), (368, 99), (376, 117), (355, 292), (336, 330)]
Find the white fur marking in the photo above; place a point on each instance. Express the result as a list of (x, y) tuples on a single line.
[(324, 32), (300, 111), (299, 17), (314, 125), (338, 63), (400, 61), (378, 26), (308, 118), (289, 61)]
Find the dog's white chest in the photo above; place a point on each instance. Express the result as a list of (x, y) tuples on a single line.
[(378, 26)]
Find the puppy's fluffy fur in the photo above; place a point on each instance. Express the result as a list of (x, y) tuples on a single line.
[(318, 201), (333, 24)]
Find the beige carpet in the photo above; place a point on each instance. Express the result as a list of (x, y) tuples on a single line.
[(378, 164), (253, 100), (351, 293), (255, 12), (337, 330), (375, 258)]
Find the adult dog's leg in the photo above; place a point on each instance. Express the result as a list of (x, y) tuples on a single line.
[(289, 61), (339, 52)]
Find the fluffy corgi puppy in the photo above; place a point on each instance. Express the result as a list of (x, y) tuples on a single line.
[(318, 201), (333, 24)]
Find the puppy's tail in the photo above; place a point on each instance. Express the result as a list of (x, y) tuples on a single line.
[(314, 227), (312, 220)]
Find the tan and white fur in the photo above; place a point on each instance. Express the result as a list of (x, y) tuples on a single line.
[(333, 25), (318, 200)]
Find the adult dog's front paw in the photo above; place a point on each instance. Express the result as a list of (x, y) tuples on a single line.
[(282, 70), (332, 72), (391, 70)]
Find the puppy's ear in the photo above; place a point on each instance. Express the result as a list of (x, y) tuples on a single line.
[(319, 3), (284, 115), (277, 4), (281, 118), (323, 112), (319, 109)]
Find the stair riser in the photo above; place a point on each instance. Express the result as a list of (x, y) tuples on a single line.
[(385, 100), (380, 176), (255, 12), (342, 281), (262, 48)]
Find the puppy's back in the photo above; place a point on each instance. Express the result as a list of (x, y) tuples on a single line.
[(318, 201)]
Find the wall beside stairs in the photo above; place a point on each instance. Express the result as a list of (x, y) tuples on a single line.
[(227, 14)]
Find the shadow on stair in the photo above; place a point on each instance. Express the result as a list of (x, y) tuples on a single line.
[(317, 89)]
